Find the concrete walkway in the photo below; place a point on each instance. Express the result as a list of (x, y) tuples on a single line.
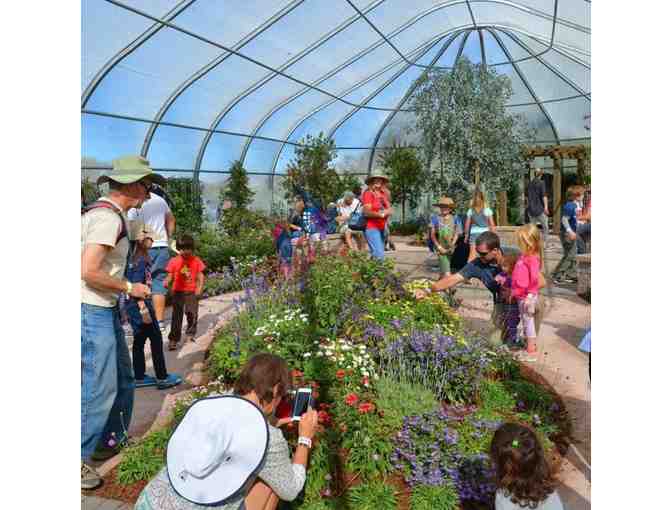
[(561, 363)]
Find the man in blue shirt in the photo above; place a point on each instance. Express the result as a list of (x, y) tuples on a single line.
[(565, 271), (485, 267)]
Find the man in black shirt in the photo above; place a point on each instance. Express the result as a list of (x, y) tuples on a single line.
[(537, 202), (485, 267)]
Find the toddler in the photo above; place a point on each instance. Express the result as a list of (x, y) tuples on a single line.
[(510, 311), (525, 284)]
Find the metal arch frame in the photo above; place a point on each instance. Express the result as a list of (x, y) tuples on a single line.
[(178, 9), (425, 46), (529, 10), (403, 100), (370, 97), (527, 85), (315, 111), (550, 67), (289, 7), (480, 38)]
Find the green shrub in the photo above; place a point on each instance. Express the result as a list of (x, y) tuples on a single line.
[(399, 399), (330, 284), (495, 397), (144, 460), (372, 496), (428, 497)]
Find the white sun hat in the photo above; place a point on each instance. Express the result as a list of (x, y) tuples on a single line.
[(217, 449)]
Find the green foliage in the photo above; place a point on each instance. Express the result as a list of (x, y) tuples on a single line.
[(237, 189), (312, 170), (430, 497), (90, 191), (187, 204), (399, 399), (514, 207), (406, 229), (406, 174), (331, 283), (462, 119), (372, 496), (495, 397), (144, 460), (228, 356)]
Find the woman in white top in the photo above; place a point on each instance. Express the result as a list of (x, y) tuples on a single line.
[(524, 478), (479, 220)]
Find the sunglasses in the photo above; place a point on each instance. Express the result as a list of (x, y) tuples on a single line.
[(482, 253)]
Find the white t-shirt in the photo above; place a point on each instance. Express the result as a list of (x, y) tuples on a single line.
[(153, 213), (102, 226), (552, 502), (347, 210)]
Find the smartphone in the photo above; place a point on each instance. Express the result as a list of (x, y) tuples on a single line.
[(302, 399)]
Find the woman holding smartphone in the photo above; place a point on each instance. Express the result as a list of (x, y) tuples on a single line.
[(225, 437)]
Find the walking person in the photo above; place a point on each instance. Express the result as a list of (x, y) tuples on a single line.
[(185, 272), (156, 214), (565, 271), (479, 220), (107, 377), (537, 202), (377, 210)]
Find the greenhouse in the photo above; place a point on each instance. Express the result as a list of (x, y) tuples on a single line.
[(391, 196)]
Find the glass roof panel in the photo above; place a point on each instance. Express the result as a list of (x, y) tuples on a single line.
[(222, 151), (139, 84), (576, 11), (174, 147), (535, 120), (493, 51), (360, 129), (260, 155), (507, 15), (569, 117), (521, 94), (472, 48), (106, 138), (545, 83)]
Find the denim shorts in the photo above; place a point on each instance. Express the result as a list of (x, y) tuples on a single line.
[(160, 257)]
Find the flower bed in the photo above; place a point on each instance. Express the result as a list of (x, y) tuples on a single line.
[(407, 404)]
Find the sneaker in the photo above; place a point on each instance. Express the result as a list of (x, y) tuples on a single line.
[(163, 327), (170, 381), (90, 478), (148, 380), (558, 281), (104, 452), (571, 280)]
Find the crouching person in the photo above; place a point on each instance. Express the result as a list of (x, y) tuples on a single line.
[(224, 454)]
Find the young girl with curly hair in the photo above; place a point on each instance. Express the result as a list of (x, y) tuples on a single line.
[(523, 476)]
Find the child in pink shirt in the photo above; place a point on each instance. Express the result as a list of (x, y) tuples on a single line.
[(525, 283)]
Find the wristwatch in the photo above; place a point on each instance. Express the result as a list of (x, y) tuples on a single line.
[(306, 442)]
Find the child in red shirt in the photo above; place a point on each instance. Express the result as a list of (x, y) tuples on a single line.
[(186, 274)]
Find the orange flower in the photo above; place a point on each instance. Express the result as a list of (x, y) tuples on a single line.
[(366, 407), (351, 399), (340, 374)]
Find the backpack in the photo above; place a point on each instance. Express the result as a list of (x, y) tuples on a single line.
[(357, 220), (101, 204)]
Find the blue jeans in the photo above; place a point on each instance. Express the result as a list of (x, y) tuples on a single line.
[(376, 245), (107, 378), (160, 257)]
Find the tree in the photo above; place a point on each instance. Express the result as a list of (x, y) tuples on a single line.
[(237, 190), (312, 170), (462, 121), (406, 176), (187, 204)]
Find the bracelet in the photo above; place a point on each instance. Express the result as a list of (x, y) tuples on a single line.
[(129, 287), (305, 442)]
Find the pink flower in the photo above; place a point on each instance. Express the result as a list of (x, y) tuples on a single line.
[(351, 399)]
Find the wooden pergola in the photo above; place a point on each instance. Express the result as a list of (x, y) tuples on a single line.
[(557, 153)]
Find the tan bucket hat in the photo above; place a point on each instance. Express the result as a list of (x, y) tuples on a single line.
[(130, 169), (445, 202), (376, 175)]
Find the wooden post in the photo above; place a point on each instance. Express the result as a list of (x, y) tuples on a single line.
[(502, 213), (557, 192)]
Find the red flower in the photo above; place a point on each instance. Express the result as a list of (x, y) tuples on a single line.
[(340, 374), (323, 406), (365, 381), (296, 373), (366, 407), (351, 399), (324, 418), (314, 385)]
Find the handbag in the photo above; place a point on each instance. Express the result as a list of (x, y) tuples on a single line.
[(357, 220)]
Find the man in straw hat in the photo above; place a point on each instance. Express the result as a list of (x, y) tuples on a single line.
[(377, 210), (107, 375)]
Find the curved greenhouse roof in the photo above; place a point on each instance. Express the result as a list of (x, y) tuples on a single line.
[(196, 84)]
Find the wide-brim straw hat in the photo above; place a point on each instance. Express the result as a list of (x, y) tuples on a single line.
[(445, 202), (217, 450), (376, 175), (130, 169)]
